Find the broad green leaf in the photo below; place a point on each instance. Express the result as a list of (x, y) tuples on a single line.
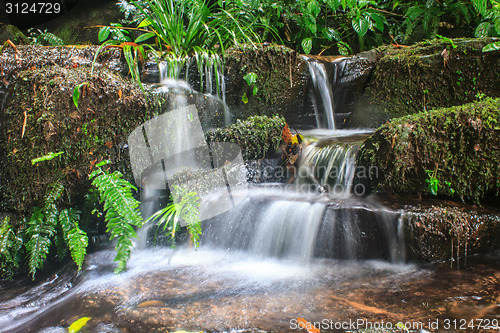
[(244, 98), (497, 25), (145, 23), (250, 78), (307, 45), (483, 29), (76, 93), (481, 6), (78, 325), (330, 34), (360, 25), (144, 37), (103, 34), (310, 22), (47, 157), (333, 4), (313, 8), (492, 47)]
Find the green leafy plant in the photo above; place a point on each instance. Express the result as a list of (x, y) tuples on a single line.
[(10, 245), (47, 157), (251, 80), (39, 37), (430, 15), (185, 206), (44, 225), (490, 22), (76, 93), (432, 181), (122, 210)]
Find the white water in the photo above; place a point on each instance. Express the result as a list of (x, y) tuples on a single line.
[(322, 96)]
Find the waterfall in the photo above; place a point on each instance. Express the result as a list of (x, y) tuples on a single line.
[(211, 76), (281, 224), (331, 168), (322, 95)]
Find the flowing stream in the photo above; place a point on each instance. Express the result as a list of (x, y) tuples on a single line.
[(335, 258)]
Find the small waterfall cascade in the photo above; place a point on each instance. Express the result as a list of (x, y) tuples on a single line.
[(330, 168), (210, 69), (283, 224), (322, 95)]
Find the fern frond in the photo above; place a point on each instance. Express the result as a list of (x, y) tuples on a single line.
[(75, 238), (10, 244), (39, 233), (122, 211), (53, 194)]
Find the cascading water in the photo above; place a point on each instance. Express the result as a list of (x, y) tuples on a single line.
[(211, 76), (283, 223), (322, 95)]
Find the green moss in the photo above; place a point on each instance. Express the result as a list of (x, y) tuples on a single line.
[(282, 88), (258, 136), (418, 78), (460, 145), (40, 118)]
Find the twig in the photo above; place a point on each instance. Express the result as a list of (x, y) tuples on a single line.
[(110, 26), (24, 124)]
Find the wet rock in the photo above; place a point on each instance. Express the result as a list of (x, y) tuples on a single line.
[(458, 149), (423, 76), (443, 232), (283, 84)]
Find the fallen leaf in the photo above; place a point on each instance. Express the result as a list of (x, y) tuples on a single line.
[(307, 326), (287, 135), (78, 325), (151, 304), (109, 144), (120, 93), (24, 124)]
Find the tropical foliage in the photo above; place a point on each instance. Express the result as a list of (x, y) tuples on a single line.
[(47, 225), (122, 210), (182, 207)]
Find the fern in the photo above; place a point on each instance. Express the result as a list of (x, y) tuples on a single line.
[(39, 234), (43, 228), (10, 244), (75, 238), (122, 212)]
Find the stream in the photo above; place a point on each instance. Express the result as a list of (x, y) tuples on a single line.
[(338, 259), (339, 262)]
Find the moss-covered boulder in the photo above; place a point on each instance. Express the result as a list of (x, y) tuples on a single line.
[(12, 33), (257, 136), (456, 150), (40, 117), (426, 75), (443, 232), (282, 84)]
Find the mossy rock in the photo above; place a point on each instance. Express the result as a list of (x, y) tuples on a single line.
[(423, 76), (443, 232), (257, 136), (40, 118), (283, 84), (459, 146), (12, 33)]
